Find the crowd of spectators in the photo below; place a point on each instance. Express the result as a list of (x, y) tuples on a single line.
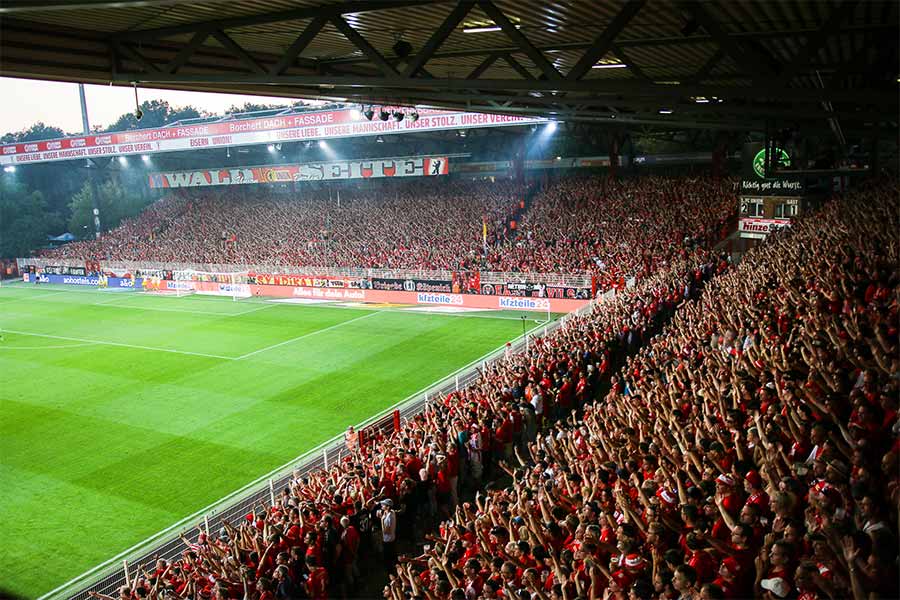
[(392, 224), (572, 225), (717, 431), (750, 450), (616, 228)]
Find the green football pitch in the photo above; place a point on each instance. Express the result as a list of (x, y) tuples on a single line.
[(122, 413)]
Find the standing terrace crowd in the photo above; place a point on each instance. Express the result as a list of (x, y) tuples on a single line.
[(716, 431), (573, 225)]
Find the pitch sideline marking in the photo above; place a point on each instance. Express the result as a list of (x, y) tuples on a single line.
[(46, 347), (306, 335), (252, 310), (120, 344)]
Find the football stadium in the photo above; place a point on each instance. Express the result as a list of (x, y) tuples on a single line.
[(449, 300)]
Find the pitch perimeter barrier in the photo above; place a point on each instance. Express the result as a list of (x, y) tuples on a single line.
[(578, 280), (85, 280), (167, 544)]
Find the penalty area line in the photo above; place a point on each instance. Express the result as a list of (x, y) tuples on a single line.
[(119, 344), (306, 335)]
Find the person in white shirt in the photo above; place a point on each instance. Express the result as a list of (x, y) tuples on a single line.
[(388, 532), (537, 402)]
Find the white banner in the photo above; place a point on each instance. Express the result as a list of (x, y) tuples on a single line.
[(760, 228), (407, 166)]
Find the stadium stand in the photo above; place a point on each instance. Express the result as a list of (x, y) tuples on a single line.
[(402, 225), (735, 453)]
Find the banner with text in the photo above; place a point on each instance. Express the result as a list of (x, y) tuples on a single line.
[(753, 173), (411, 285), (309, 126), (101, 281), (760, 228), (306, 281), (407, 166), (63, 270), (534, 290)]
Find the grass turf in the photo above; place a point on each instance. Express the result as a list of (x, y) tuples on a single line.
[(122, 413)]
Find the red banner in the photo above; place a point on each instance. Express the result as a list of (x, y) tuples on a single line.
[(760, 228), (268, 130)]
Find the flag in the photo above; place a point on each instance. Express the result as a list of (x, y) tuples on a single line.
[(484, 233)]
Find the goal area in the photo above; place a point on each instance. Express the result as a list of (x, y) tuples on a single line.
[(209, 283), (233, 284)]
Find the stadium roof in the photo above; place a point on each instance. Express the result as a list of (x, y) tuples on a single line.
[(711, 64)]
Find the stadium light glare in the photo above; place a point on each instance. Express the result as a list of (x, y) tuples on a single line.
[(271, 147), (551, 126), (323, 144), (10, 168), (666, 111), (609, 66), (145, 158), (123, 161)]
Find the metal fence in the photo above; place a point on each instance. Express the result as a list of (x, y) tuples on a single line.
[(107, 577), (577, 280)]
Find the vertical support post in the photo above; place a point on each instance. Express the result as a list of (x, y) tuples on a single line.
[(87, 131), (457, 382), (272, 491), (206, 524)]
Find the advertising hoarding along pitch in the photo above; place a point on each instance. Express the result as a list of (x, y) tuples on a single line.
[(407, 166), (309, 126)]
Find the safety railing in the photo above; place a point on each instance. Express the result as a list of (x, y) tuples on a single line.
[(575, 280)]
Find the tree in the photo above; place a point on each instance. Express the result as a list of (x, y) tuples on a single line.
[(24, 221), (156, 113), (55, 181), (113, 200), (38, 131), (253, 107)]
